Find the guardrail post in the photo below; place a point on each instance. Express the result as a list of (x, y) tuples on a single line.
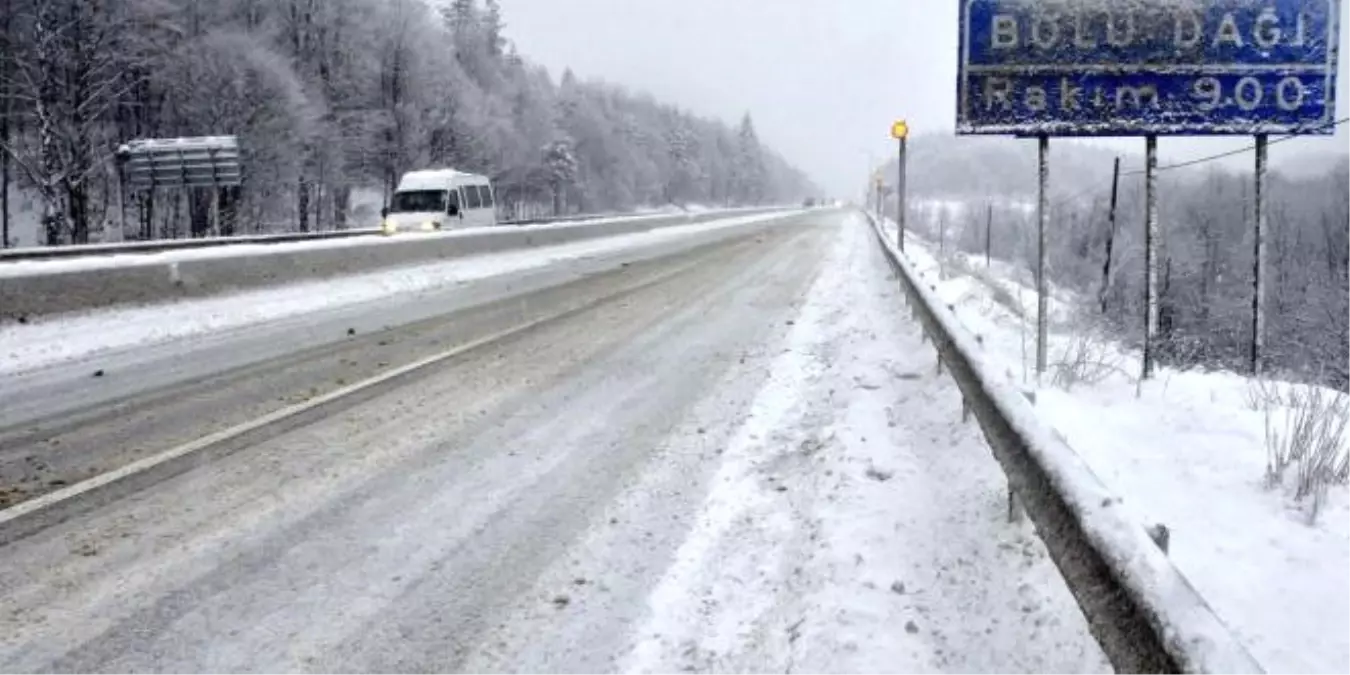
[(1161, 536), (1015, 511), (939, 361)]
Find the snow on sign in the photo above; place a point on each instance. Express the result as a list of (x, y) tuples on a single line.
[(1139, 67)]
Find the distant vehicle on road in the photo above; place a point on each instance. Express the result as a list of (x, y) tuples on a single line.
[(440, 199), (809, 203)]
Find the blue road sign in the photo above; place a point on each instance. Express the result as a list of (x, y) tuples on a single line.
[(1136, 67)]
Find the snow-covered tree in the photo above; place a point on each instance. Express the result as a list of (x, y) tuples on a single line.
[(562, 167), (493, 27), (68, 68), (330, 98), (750, 170)]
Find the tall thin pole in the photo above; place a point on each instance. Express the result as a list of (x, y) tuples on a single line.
[(120, 159), (5, 132), (1110, 235), (121, 202), (988, 227), (1259, 257), (1150, 252), (900, 194), (1042, 218), (4, 176)]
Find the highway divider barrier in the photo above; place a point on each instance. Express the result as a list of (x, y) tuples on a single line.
[(31, 289)]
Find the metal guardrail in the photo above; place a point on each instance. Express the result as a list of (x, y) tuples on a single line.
[(98, 281), (574, 218), (155, 246), (1142, 611)]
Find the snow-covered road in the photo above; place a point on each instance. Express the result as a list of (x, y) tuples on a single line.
[(53, 340), (745, 461)]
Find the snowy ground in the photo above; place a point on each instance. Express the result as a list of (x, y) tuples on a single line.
[(856, 524), (1187, 451), (45, 342)]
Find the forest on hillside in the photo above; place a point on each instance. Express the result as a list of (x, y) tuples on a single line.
[(330, 98), (1206, 255)]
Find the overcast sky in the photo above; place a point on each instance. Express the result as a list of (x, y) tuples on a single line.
[(822, 78)]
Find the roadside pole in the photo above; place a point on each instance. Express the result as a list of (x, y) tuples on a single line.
[(1110, 236), (121, 156), (1150, 252), (1042, 218), (900, 132), (1259, 256)]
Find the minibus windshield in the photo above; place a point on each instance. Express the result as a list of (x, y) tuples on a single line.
[(418, 201)]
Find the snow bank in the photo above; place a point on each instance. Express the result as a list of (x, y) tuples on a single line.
[(1186, 450)]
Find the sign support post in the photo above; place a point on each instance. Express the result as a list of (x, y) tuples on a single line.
[(1259, 256), (900, 195), (900, 132), (1150, 253), (121, 157), (1042, 216)]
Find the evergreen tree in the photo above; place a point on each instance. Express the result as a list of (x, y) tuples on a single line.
[(750, 170), (493, 26)]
